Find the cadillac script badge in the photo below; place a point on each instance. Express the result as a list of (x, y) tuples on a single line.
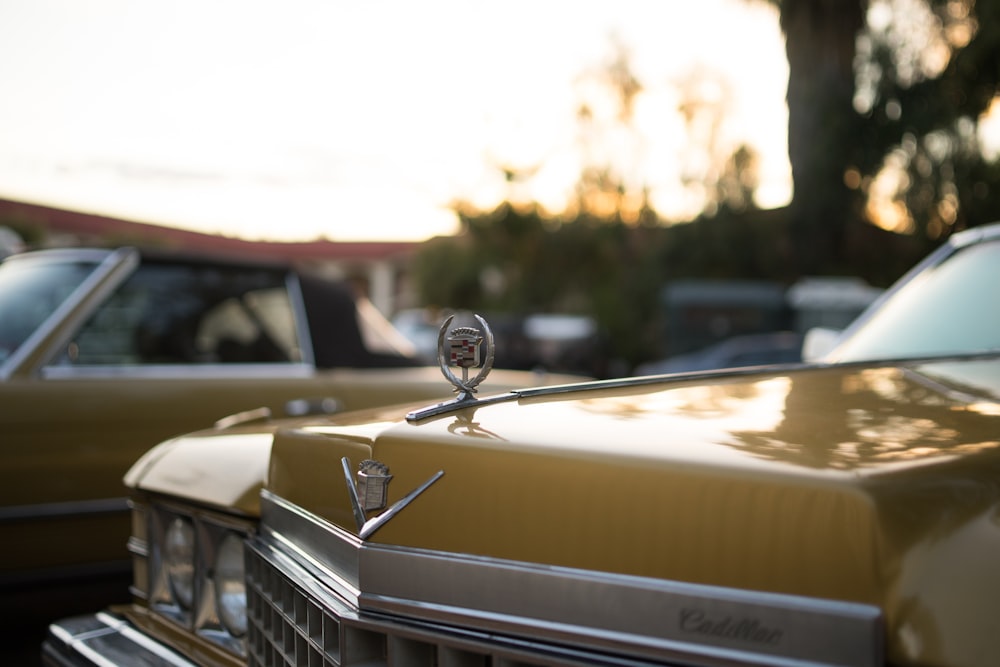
[(463, 348)]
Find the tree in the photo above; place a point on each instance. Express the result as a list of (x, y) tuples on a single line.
[(867, 104), (609, 185), (822, 125), (884, 101), (929, 74)]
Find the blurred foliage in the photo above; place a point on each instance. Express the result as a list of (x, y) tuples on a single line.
[(885, 99), (927, 72), (518, 261), (515, 260)]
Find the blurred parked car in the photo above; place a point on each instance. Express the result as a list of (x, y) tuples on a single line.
[(733, 324), (778, 347), (842, 513), (104, 353)]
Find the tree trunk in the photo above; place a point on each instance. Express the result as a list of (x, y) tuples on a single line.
[(823, 126)]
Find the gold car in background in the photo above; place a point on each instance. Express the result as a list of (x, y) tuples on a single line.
[(105, 353), (842, 513)]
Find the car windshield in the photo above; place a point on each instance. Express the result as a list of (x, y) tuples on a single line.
[(952, 308), (30, 291)]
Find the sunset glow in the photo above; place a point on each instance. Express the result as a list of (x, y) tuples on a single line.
[(367, 121)]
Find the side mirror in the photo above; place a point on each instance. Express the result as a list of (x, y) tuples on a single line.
[(818, 342)]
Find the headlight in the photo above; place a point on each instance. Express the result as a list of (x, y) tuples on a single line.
[(230, 586), (196, 570), (179, 560)]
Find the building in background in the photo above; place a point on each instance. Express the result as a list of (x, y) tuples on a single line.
[(378, 270)]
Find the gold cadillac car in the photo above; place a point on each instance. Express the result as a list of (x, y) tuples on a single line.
[(106, 352), (841, 513)]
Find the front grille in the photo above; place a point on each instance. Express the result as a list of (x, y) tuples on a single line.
[(290, 626), (285, 626)]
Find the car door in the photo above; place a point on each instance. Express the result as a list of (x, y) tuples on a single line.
[(175, 346)]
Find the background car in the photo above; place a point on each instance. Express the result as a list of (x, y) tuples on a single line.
[(104, 353), (779, 347), (840, 513)]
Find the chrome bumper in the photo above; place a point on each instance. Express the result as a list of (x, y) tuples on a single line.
[(104, 639)]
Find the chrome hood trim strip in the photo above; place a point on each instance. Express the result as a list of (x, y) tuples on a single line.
[(639, 616), (181, 371)]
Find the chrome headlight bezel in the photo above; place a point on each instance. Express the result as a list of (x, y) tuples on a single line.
[(179, 561), (193, 601), (162, 593), (229, 579)]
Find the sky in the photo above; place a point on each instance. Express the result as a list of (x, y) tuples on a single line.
[(359, 121)]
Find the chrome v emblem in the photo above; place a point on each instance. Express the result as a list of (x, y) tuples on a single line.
[(366, 526)]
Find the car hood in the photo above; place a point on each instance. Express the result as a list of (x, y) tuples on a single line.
[(225, 466), (879, 485)]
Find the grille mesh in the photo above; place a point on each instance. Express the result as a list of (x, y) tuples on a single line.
[(285, 626), (289, 627)]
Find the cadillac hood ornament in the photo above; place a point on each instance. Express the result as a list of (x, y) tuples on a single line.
[(462, 348), (465, 348), (368, 495)]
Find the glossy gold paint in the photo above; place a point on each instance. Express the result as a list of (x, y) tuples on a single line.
[(227, 475), (878, 485), (68, 441)]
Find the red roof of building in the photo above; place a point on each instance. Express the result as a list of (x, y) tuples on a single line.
[(89, 228)]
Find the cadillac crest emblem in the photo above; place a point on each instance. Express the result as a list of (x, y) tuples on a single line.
[(462, 347), (368, 494), (373, 485)]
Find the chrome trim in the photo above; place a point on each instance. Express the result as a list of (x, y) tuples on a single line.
[(180, 371), (642, 617), (295, 620), (643, 380), (137, 547), (372, 525), (465, 386), (64, 510), (57, 330), (618, 613), (261, 414), (352, 492), (366, 526), (301, 316), (451, 407), (314, 540), (975, 235), (106, 640), (454, 405), (210, 528)]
